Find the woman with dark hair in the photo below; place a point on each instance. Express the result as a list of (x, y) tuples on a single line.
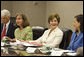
[(77, 36), (24, 31)]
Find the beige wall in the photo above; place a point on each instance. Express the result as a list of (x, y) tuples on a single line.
[(66, 9), (6, 5), (38, 14)]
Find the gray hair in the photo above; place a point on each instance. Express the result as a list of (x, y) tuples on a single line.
[(5, 12)]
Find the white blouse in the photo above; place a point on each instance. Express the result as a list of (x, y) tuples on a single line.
[(53, 39)]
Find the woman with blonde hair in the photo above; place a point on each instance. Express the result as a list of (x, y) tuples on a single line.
[(53, 36)]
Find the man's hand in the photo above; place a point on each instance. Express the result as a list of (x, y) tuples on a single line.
[(7, 38), (12, 40)]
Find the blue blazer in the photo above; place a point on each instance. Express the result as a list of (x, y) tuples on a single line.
[(11, 29), (76, 43)]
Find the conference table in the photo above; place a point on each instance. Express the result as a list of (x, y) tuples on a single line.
[(18, 52), (21, 53), (7, 51)]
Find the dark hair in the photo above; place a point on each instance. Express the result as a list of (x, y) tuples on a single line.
[(79, 18), (52, 16), (25, 20)]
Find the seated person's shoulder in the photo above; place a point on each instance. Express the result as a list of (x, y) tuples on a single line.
[(47, 30), (28, 28), (74, 32), (16, 29), (59, 31), (13, 25)]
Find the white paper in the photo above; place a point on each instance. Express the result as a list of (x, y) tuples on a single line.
[(13, 43), (56, 53), (59, 52), (57, 49), (69, 51), (30, 50), (71, 54), (2, 48), (2, 44), (26, 44), (18, 42)]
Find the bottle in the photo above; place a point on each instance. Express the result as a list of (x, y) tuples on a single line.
[(48, 48)]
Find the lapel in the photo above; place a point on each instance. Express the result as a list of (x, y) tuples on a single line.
[(1, 27), (52, 34), (78, 37), (9, 28)]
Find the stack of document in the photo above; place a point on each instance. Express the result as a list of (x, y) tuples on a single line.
[(71, 54), (59, 52), (27, 44), (31, 50), (56, 53), (2, 43)]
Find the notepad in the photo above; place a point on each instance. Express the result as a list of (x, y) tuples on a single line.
[(56, 53), (2, 44), (27, 44), (71, 54), (30, 50), (59, 52)]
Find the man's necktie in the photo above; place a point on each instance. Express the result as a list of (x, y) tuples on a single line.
[(3, 32)]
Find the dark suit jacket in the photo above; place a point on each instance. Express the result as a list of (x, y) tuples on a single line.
[(10, 31)]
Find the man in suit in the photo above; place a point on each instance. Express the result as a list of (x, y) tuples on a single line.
[(7, 27)]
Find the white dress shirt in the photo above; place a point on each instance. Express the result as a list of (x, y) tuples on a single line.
[(53, 39)]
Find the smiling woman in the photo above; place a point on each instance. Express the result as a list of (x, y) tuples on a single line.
[(77, 36), (53, 36), (24, 31), (53, 20), (21, 20)]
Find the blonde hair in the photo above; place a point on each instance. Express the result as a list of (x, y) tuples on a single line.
[(52, 16)]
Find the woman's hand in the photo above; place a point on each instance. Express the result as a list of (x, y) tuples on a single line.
[(13, 40)]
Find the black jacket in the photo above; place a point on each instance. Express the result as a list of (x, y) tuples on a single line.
[(10, 31)]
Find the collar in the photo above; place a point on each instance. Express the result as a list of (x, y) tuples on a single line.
[(77, 36), (7, 24), (55, 29)]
